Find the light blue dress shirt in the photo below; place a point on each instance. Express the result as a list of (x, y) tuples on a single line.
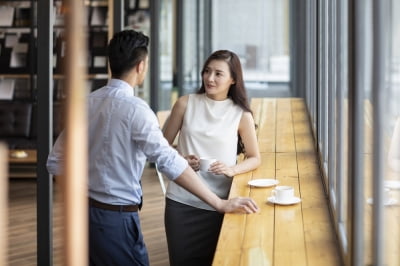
[(123, 133)]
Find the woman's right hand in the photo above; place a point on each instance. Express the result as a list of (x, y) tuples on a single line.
[(194, 162)]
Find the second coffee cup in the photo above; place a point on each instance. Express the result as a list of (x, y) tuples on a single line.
[(283, 193)]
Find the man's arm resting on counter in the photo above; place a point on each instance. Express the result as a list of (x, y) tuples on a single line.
[(191, 182)]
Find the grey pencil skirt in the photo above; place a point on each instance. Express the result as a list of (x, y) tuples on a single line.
[(192, 234)]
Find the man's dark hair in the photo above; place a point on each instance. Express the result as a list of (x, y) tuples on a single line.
[(125, 50)]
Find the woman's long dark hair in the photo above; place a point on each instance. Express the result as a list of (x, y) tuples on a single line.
[(237, 91)]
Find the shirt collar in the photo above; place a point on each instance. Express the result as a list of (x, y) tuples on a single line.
[(120, 84)]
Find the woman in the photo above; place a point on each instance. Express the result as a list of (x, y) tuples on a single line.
[(210, 124)]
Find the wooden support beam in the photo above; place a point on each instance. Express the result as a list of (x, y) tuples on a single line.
[(3, 204), (75, 181)]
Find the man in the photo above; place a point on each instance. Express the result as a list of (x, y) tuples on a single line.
[(123, 134)]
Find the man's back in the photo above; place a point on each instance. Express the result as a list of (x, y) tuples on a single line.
[(115, 160)]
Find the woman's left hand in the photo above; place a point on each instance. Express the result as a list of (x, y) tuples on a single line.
[(194, 161), (219, 168)]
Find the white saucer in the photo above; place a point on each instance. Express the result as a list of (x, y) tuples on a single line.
[(390, 202), (293, 200), (263, 182), (392, 184)]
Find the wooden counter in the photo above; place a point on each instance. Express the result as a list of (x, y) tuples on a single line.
[(299, 234)]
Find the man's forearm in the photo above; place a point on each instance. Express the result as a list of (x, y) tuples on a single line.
[(191, 182)]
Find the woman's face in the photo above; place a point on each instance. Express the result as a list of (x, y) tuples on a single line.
[(217, 79)]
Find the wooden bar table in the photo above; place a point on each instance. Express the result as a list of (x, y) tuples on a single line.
[(280, 234)]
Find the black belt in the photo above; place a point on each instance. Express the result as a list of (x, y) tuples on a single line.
[(109, 207)]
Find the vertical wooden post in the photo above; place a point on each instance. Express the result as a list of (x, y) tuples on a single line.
[(3, 204), (75, 182), (110, 19)]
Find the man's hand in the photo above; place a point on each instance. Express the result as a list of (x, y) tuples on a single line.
[(238, 205)]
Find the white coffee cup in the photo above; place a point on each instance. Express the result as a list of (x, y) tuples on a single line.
[(283, 193), (205, 163)]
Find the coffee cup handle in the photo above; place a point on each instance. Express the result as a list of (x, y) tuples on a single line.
[(273, 193)]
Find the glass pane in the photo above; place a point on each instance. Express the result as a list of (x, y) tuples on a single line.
[(343, 115), (314, 52), (392, 141), (192, 33), (324, 35), (166, 54), (262, 42), (332, 100), (321, 66), (343, 118), (366, 46)]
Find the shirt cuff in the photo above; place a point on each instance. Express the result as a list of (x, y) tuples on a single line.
[(174, 168)]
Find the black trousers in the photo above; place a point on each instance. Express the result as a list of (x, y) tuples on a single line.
[(192, 234)]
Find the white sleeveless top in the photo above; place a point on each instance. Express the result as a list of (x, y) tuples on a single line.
[(209, 129)]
